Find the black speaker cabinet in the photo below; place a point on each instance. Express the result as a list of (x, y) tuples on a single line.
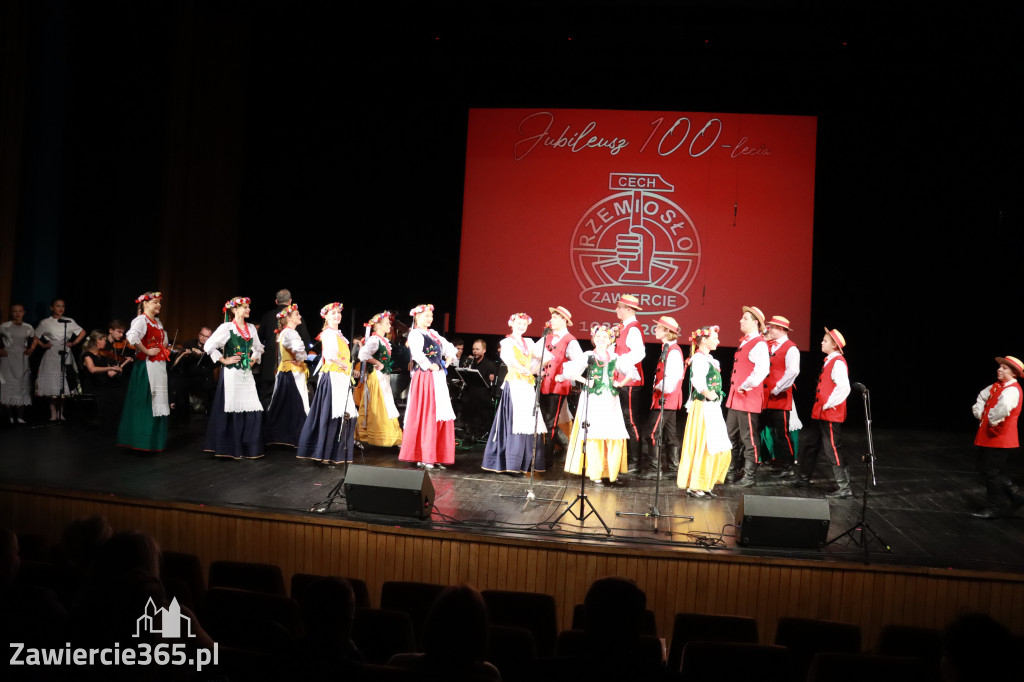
[(382, 490), (782, 521)]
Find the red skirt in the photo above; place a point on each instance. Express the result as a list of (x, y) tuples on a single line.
[(426, 439)]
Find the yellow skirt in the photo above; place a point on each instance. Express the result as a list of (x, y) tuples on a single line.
[(374, 425), (700, 469), (606, 458)]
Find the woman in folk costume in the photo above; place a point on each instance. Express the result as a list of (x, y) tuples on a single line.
[(516, 428), (290, 402), (52, 333), (599, 405), (146, 408), (706, 451), (235, 429), (429, 438), (378, 423), (328, 436), (17, 342)]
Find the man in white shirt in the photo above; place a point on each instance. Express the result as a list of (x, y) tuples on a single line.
[(746, 395), (629, 346), (784, 367)]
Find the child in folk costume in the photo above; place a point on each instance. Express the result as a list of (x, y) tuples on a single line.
[(599, 405), (146, 408), (668, 384), (827, 418), (516, 429), (235, 429), (17, 342), (706, 450), (429, 438), (378, 422), (997, 409), (290, 402), (328, 436)]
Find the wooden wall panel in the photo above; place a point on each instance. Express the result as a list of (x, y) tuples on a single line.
[(675, 580)]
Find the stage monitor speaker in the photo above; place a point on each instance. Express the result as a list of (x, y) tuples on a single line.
[(782, 521), (383, 490)]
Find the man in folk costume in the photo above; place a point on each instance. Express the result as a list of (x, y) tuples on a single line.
[(996, 410), (558, 346), (668, 384), (629, 347), (783, 369), (746, 394), (828, 415)]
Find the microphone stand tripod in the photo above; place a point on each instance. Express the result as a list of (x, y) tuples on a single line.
[(581, 497), (325, 505), (653, 512), (530, 496), (869, 478), (63, 353)]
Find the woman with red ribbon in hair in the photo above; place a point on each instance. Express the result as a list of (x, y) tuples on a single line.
[(235, 429), (378, 421), (328, 436), (429, 438), (290, 402), (146, 408)]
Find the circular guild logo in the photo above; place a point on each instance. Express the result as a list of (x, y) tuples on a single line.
[(636, 241)]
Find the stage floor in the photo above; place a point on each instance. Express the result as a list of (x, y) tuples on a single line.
[(926, 487)]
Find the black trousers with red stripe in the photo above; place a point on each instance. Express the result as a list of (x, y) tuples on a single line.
[(777, 421), (550, 406), (629, 397), (744, 435), (821, 438)]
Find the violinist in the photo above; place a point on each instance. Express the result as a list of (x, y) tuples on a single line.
[(117, 347), (146, 406), (101, 377), (193, 379)]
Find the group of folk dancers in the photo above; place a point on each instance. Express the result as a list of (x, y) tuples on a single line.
[(604, 440), (322, 429)]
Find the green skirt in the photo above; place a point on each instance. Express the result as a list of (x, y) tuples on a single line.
[(139, 429)]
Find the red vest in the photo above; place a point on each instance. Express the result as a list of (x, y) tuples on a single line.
[(154, 338), (742, 367), (621, 349), (1004, 434), (784, 400), (554, 368), (825, 388), (674, 400)]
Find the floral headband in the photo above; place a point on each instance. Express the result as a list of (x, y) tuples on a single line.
[(519, 316), (378, 317), (287, 311), (149, 296), (329, 307), (236, 302), (611, 330), (702, 332), (421, 309)]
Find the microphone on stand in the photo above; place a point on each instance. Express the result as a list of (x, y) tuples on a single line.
[(860, 388)]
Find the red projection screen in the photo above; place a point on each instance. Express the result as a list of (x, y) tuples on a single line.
[(699, 214)]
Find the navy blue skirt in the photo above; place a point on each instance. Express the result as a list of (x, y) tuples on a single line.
[(286, 415), (324, 439), (238, 435), (509, 452)]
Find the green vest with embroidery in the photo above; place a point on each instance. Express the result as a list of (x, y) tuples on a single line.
[(714, 381), (236, 345)]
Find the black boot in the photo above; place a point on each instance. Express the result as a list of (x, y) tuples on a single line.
[(673, 459), (633, 456), (749, 479), (843, 490)]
